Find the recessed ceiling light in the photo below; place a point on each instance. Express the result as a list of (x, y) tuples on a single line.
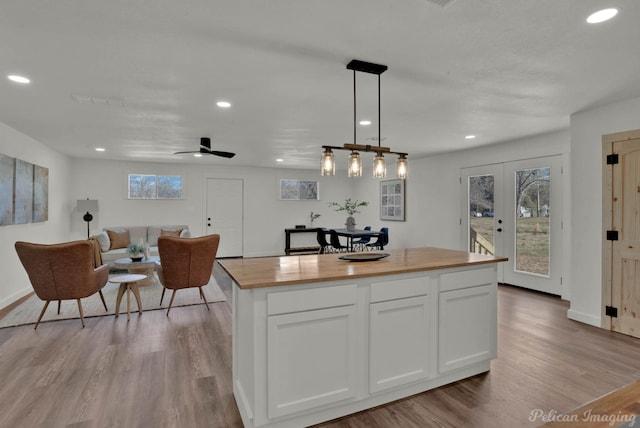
[(99, 149), (197, 155), (602, 15), (365, 122), (223, 104), (18, 79), (469, 137), (279, 160)]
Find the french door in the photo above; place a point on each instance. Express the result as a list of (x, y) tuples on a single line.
[(514, 209)]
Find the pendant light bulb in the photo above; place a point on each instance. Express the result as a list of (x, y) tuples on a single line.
[(379, 166), (355, 165), (402, 167), (327, 164)]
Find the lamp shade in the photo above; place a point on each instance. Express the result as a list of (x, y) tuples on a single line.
[(87, 205)]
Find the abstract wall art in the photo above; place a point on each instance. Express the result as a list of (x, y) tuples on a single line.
[(24, 192)]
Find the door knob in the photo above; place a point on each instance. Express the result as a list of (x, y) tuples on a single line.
[(499, 229), (209, 224)]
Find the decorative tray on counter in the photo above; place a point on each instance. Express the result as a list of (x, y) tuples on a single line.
[(363, 257)]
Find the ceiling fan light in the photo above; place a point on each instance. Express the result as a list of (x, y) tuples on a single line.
[(355, 165), (402, 167), (379, 166), (327, 163)]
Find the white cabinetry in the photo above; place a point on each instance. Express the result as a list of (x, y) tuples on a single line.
[(312, 352), (467, 319), (400, 333), (311, 359), (311, 348)]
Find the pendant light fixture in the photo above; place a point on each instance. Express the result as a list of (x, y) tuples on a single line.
[(354, 167)]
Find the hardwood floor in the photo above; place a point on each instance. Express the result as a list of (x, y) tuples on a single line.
[(176, 372)]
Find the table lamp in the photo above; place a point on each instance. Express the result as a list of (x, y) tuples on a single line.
[(88, 205)]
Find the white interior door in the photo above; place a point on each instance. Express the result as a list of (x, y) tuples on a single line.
[(225, 214), (514, 209)]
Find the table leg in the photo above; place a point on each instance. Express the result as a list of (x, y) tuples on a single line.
[(134, 287), (128, 301), (121, 291)]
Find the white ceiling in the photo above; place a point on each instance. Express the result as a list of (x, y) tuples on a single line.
[(141, 78)]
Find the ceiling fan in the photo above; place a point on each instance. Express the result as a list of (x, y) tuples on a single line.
[(205, 149)]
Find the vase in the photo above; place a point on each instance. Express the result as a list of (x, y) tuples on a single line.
[(136, 258), (351, 224)]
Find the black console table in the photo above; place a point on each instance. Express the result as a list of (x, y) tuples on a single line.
[(287, 246)]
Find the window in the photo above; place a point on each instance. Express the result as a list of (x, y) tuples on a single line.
[(147, 186), (296, 190)]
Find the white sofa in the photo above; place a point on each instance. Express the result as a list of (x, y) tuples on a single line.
[(136, 234)]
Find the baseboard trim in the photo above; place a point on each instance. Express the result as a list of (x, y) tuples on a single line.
[(7, 302), (584, 318)]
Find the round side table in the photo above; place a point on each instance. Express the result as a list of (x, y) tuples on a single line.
[(128, 283)]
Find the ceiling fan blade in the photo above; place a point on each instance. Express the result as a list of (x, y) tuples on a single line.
[(205, 149), (222, 154)]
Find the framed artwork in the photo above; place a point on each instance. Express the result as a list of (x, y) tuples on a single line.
[(40, 193), (392, 200), (299, 190), (7, 173), (24, 192)]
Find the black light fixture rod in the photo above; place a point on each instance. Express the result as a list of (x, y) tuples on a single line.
[(379, 141), (354, 107)]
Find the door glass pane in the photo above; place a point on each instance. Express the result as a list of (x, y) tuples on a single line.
[(481, 227), (532, 239)]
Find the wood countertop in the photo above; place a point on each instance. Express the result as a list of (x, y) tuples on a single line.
[(290, 270)]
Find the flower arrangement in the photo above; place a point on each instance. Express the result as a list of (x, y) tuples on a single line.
[(351, 207)]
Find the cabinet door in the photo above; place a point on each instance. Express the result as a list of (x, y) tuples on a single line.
[(311, 359), (467, 327), (399, 342)]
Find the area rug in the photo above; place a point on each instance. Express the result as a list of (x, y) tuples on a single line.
[(28, 312)]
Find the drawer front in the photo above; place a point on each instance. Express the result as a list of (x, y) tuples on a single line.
[(468, 278), (399, 289), (285, 302)]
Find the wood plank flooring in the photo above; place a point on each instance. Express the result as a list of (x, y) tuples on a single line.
[(156, 371)]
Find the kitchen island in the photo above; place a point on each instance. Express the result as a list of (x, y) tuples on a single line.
[(316, 337)]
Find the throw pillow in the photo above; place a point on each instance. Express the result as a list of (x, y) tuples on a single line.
[(171, 232), (119, 238), (103, 240), (185, 233)]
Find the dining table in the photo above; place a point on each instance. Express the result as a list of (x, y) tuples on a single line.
[(357, 233)]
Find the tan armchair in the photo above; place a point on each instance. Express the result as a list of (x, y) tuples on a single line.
[(186, 262), (63, 272)]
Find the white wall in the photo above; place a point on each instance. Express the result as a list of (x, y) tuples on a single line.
[(587, 129), (265, 216), (14, 282), (435, 198)]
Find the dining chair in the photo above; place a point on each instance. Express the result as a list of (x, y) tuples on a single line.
[(336, 244), (321, 236), (381, 241), (360, 243), (63, 271), (186, 263)]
